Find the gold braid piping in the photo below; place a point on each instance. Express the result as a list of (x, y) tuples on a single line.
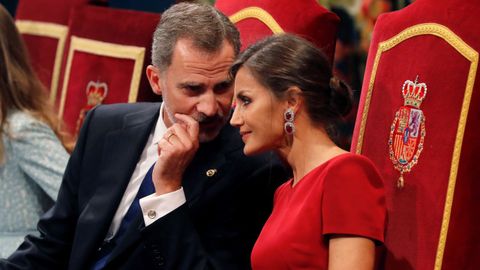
[(260, 14), (105, 49), (471, 55), (51, 30)]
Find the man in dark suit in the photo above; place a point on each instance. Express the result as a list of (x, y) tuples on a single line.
[(162, 186)]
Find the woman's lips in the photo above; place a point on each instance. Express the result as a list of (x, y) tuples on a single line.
[(245, 135)]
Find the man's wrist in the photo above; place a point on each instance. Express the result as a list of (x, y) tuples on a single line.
[(164, 187), (155, 206)]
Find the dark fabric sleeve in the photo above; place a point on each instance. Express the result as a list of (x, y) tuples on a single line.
[(354, 199), (200, 235)]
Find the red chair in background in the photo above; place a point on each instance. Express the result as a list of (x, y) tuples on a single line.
[(418, 121), (258, 19), (108, 50), (44, 27)]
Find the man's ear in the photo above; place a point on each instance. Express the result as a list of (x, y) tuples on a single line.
[(153, 75), (294, 98)]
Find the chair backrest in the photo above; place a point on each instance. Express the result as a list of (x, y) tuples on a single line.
[(418, 121), (107, 52), (44, 27), (258, 19)]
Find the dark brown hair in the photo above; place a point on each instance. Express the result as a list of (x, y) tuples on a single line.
[(282, 61), (203, 24), (20, 88)]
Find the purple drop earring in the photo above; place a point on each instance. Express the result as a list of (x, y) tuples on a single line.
[(289, 116)]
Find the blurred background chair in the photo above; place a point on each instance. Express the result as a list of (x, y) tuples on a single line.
[(44, 27), (105, 60), (418, 121), (258, 19)]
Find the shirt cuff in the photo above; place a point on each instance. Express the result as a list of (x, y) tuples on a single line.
[(156, 206)]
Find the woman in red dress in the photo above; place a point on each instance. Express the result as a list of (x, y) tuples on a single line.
[(332, 212)]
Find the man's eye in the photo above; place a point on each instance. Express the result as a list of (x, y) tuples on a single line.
[(222, 87), (193, 88)]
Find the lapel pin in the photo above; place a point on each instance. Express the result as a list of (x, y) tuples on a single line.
[(211, 172)]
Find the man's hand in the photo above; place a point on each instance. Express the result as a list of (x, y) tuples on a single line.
[(175, 151)]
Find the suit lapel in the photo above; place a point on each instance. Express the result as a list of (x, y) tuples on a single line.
[(197, 178), (131, 236), (203, 171), (210, 165), (121, 152), (195, 181)]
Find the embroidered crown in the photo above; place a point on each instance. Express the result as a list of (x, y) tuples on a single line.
[(414, 93), (96, 92)]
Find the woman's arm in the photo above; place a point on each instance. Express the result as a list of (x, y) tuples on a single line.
[(351, 252)]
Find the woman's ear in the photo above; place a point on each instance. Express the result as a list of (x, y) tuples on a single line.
[(153, 75), (294, 98)]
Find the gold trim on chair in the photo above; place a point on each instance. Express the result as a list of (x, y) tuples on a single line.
[(105, 49), (260, 14), (51, 30), (471, 55)]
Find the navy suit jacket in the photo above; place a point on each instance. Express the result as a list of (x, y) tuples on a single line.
[(215, 229)]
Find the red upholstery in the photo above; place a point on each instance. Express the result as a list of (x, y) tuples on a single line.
[(43, 24), (108, 47), (433, 220), (258, 19)]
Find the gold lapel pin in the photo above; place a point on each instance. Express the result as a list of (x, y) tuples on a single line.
[(211, 172)]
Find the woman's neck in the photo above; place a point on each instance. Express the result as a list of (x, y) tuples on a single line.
[(310, 147)]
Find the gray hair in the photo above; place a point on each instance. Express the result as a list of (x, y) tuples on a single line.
[(203, 24)]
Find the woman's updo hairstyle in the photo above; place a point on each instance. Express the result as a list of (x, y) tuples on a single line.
[(282, 61)]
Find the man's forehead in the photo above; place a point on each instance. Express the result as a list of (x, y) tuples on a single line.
[(193, 68), (194, 81), (186, 48)]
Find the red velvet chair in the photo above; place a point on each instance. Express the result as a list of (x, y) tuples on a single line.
[(43, 25), (107, 54), (258, 19), (419, 121)]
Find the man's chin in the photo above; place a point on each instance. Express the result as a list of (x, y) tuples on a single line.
[(208, 135)]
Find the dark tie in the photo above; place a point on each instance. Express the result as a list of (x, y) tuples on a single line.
[(146, 188)]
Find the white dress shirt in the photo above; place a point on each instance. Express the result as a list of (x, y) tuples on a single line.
[(153, 206)]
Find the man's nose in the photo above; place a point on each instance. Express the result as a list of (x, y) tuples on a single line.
[(208, 104)]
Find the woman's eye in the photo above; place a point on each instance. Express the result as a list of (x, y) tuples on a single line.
[(244, 100)]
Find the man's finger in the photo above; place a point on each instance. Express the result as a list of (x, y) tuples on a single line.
[(192, 124), (181, 134)]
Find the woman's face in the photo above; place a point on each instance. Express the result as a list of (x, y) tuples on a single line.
[(258, 114)]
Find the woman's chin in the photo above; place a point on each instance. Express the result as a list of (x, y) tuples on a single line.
[(250, 151)]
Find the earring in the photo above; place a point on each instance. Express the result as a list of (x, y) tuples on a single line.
[(289, 116)]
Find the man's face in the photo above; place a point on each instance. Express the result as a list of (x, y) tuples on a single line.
[(197, 84)]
